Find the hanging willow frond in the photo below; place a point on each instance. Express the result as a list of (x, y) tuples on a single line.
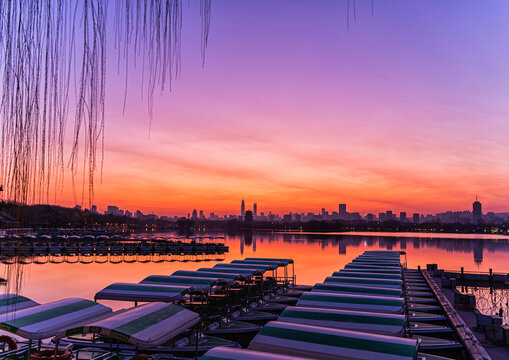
[(43, 44)]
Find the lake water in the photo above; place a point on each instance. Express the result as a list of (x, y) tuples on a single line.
[(316, 256)]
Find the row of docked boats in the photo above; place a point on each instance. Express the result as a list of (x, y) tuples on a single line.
[(187, 313), (371, 309), (70, 246)]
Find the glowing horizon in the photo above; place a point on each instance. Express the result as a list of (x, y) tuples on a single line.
[(405, 112)]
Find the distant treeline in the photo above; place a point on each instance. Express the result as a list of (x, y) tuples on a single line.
[(51, 216)]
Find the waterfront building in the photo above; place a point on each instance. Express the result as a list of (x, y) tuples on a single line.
[(416, 218), (477, 210), (248, 215), (342, 211), (402, 216), (242, 209), (382, 216), (255, 209)]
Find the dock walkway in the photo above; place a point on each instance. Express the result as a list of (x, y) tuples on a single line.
[(494, 351)]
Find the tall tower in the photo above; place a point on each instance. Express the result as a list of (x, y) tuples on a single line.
[(255, 209), (242, 209), (477, 211)]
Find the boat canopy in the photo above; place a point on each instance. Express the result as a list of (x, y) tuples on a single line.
[(14, 302), (145, 326), (396, 252), (210, 274), (383, 304), (246, 266), (44, 321), (202, 283), (142, 292), (357, 289), (376, 262), (246, 273), (372, 282), (284, 261), (372, 269), (274, 264), (366, 274), (228, 353), (325, 343), (388, 324)]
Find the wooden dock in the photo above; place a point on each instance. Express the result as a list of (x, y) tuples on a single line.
[(474, 349)]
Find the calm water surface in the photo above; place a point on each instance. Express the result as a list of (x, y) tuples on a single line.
[(316, 256)]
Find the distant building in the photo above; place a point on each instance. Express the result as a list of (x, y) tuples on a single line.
[(370, 217), (255, 209), (93, 210), (128, 213), (78, 207), (195, 215), (389, 216), (242, 209), (477, 211), (416, 218), (342, 211), (402, 216), (248, 215), (202, 215), (114, 210), (382, 216)]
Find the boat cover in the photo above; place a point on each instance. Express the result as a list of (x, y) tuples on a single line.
[(274, 264), (366, 274), (285, 261), (44, 321), (372, 282), (240, 272), (209, 274), (388, 324), (246, 266), (203, 283), (325, 343), (145, 326), (14, 302), (228, 353), (142, 292), (381, 304), (357, 289), (373, 269)]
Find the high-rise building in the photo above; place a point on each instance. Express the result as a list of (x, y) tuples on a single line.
[(202, 215), (416, 218), (342, 211), (382, 216), (477, 210), (93, 209), (370, 217), (389, 216), (242, 209), (255, 209), (195, 215), (248, 216), (402, 216)]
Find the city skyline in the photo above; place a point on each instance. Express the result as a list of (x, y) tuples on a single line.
[(475, 215)]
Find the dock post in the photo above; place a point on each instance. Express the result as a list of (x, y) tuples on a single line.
[(462, 279)]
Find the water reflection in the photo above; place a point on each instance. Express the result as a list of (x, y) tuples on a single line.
[(316, 256), (490, 301)]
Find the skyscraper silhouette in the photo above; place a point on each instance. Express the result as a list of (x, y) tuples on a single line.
[(477, 211), (242, 209)]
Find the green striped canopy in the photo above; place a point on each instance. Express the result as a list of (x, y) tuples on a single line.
[(284, 261), (376, 262), (357, 289), (367, 274), (388, 324), (326, 343), (145, 326), (246, 266), (199, 282), (44, 321), (142, 292), (209, 274), (228, 353), (383, 304), (240, 272), (274, 264), (373, 269), (14, 302), (372, 282)]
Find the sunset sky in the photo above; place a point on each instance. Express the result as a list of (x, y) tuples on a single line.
[(406, 111)]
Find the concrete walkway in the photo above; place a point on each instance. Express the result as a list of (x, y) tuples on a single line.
[(496, 352)]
